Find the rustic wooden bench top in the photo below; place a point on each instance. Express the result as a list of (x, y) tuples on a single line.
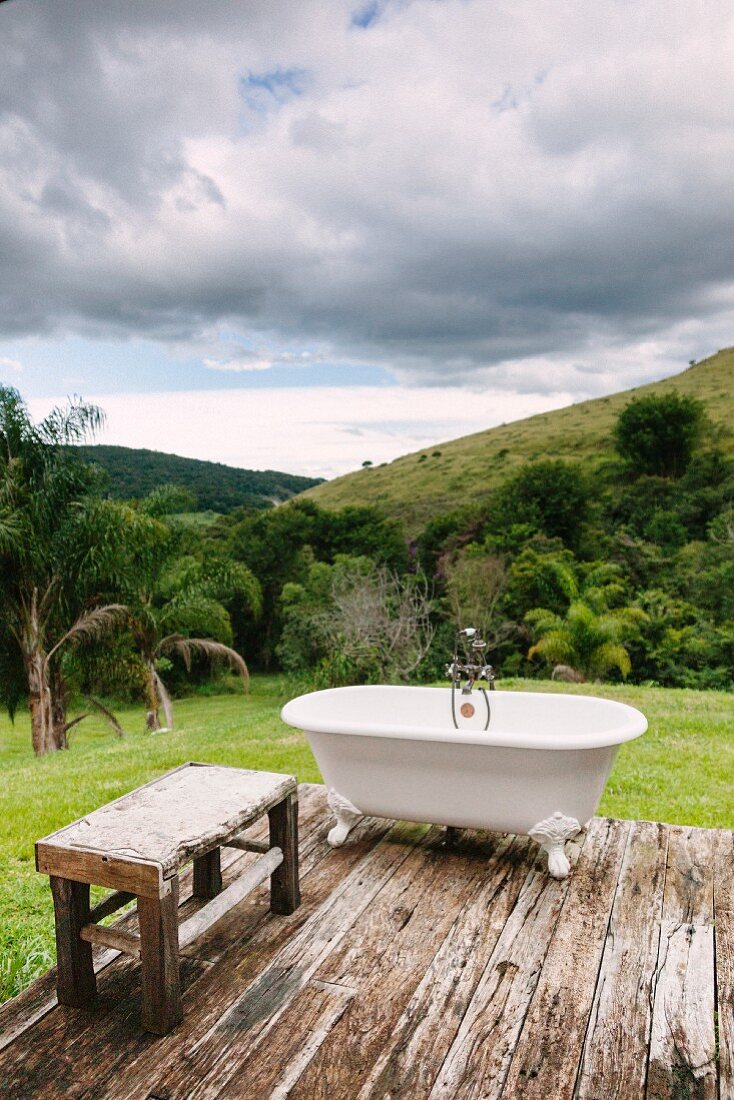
[(173, 819)]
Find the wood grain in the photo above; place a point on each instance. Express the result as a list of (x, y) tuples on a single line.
[(478, 1060), (159, 970), (208, 874), (420, 1039), (614, 1062), (546, 1059), (248, 881), (683, 1040), (244, 944), (412, 971), (285, 892), (236, 1032), (76, 983), (724, 949), (139, 877), (114, 938), (179, 816)]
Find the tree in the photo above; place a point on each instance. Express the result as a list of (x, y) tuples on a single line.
[(549, 497), (475, 586), (45, 606), (280, 545), (588, 639), (658, 434), (355, 622), (543, 574), (178, 604)]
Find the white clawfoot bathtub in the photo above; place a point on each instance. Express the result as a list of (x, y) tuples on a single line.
[(540, 767)]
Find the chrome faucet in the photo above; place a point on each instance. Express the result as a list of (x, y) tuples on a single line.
[(472, 667)]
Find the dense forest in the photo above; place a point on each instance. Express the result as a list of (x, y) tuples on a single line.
[(212, 486), (623, 573)]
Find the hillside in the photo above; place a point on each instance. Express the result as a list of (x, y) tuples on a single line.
[(217, 488), (420, 485)]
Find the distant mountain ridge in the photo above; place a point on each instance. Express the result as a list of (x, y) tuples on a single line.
[(419, 486), (134, 472)]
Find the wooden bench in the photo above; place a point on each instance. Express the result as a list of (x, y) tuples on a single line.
[(137, 845)]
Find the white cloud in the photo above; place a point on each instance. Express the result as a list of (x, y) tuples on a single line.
[(457, 191), (238, 366), (319, 432), (14, 365)]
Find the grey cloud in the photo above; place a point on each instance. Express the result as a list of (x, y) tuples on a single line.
[(446, 190)]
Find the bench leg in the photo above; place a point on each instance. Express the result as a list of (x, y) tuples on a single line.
[(208, 875), (158, 919), (75, 981), (285, 894)]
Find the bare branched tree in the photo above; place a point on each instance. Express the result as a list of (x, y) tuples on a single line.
[(381, 620), (475, 584)]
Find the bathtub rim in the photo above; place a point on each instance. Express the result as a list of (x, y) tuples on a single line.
[(632, 723)]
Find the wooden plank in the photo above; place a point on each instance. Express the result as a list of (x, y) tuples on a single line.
[(477, 1061), (420, 1039), (112, 937), (689, 876), (75, 980), (284, 1052), (724, 947), (682, 1043), (110, 905), (208, 874), (69, 1056), (144, 879), (246, 845), (614, 1062), (546, 1059), (683, 1040), (247, 882), (285, 893), (159, 969), (236, 1030)]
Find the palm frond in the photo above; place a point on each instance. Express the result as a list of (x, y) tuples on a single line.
[(164, 698), (554, 647), (73, 424), (611, 655), (215, 651), (75, 722), (106, 713), (542, 620), (92, 624)]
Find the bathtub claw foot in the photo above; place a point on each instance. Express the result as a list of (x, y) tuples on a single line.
[(552, 834), (346, 815)]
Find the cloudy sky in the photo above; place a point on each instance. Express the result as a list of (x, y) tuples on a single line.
[(303, 233)]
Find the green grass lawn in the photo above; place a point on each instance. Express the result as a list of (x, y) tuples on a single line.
[(681, 771)]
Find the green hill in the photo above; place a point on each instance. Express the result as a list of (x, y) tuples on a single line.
[(441, 478), (217, 488)]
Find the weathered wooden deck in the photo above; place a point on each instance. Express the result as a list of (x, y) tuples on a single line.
[(412, 970)]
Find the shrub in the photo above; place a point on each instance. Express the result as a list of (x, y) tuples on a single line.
[(552, 497), (658, 434)]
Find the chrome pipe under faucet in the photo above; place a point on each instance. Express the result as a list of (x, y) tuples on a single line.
[(472, 667)]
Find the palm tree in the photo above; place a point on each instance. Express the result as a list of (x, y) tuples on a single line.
[(177, 604), (179, 646), (588, 639), (43, 603)]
